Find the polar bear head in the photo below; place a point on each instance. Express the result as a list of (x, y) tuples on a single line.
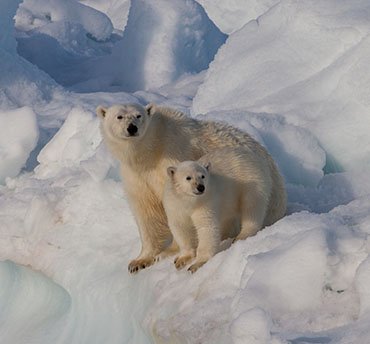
[(189, 177), (125, 122)]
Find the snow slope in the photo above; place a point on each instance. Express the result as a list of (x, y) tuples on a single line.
[(162, 41), (116, 10), (232, 15), (295, 79), (19, 137), (304, 60)]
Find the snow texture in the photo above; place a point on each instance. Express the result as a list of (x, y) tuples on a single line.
[(18, 138), (294, 74), (43, 14), (306, 61), (162, 41), (232, 15), (116, 10)]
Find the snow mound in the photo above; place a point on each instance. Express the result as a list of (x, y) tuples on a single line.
[(231, 15), (163, 40), (307, 62), (21, 83), (77, 141), (252, 327), (25, 293), (39, 14), (116, 10), (18, 137)]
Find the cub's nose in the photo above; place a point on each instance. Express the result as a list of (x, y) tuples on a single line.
[(132, 129), (201, 188)]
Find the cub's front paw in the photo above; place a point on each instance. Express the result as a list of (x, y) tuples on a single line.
[(139, 264), (181, 261), (196, 266)]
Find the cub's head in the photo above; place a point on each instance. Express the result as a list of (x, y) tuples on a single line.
[(125, 122), (189, 177)]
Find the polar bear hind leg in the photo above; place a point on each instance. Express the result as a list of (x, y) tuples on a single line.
[(253, 212)]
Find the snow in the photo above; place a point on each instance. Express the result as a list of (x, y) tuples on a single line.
[(293, 74), (162, 41), (42, 14), (306, 61), (116, 10), (232, 15), (18, 138), (20, 81)]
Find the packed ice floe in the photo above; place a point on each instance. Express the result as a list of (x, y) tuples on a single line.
[(294, 74)]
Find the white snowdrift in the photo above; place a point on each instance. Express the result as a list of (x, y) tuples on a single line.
[(39, 14), (25, 293), (116, 10), (21, 83), (18, 137), (231, 15), (304, 60), (77, 143), (163, 40)]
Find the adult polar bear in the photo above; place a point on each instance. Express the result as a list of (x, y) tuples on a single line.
[(147, 141)]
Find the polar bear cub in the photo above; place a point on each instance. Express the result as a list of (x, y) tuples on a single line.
[(226, 193)]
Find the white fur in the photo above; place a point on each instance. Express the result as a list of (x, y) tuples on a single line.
[(237, 187), (165, 137)]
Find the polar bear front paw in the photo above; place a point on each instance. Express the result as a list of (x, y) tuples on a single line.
[(183, 260), (139, 264), (196, 266)]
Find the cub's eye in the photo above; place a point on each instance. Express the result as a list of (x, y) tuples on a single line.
[(203, 177), (188, 178), (119, 117), (138, 116)]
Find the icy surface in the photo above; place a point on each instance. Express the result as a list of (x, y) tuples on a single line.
[(116, 10), (18, 138), (42, 14), (231, 15), (305, 60), (20, 82), (163, 40), (296, 79)]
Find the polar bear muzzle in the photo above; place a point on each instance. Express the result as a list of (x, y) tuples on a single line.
[(200, 188), (132, 129)]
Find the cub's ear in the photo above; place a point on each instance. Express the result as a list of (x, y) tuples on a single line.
[(101, 111), (171, 171), (207, 166), (151, 108)]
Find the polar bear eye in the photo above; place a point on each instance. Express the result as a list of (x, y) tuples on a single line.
[(188, 178), (202, 176), (119, 117), (138, 116)]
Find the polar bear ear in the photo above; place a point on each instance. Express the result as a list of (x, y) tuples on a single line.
[(101, 111), (150, 109), (171, 171), (207, 166)]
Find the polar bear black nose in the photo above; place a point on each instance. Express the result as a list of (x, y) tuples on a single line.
[(132, 129), (200, 188)]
